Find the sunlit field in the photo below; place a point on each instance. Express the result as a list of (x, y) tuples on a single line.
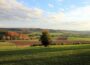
[(78, 38), (39, 55)]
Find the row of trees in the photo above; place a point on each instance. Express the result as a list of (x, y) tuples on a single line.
[(13, 36)]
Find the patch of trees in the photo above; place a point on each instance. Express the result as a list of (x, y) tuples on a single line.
[(13, 36)]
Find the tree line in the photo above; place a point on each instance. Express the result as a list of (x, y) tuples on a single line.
[(13, 36)]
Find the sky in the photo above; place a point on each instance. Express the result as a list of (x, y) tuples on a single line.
[(51, 14)]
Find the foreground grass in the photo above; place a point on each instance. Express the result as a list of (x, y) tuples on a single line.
[(52, 55)]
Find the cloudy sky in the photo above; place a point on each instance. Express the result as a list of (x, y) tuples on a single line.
[(52, 14)]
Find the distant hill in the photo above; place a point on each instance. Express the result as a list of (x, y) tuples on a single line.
[(30, 30), (22, 30)]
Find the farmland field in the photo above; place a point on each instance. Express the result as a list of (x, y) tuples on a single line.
[(39, 55), (78, 38)]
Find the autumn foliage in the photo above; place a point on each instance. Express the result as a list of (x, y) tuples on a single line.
[(15, 36)]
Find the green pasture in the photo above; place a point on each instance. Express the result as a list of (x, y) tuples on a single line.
[(7, 46), (78, 38), (39, 55)]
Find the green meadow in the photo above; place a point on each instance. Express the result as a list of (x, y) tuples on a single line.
[(79, 39), (39, 55)]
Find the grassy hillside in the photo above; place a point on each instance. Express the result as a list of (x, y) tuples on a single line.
[(52, 55)]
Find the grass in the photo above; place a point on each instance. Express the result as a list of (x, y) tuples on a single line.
[(6, 46), (78, 38), (52, 55)]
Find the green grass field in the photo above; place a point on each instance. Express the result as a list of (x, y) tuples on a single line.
[(78, 38), (39, 55)]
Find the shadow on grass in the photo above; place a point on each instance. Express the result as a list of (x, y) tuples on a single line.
[(75, 59), (36, 50)]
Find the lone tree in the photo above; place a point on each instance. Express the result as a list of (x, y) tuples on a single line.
[(45, 38)]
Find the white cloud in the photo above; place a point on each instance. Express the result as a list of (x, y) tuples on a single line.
[(15, 14), (73, 6), (75, 19), (1, 25), (79, 14), (60, 0), (13, 10), (50, 5)]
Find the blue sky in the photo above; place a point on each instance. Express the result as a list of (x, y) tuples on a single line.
[(56, 5), (52, 14)]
